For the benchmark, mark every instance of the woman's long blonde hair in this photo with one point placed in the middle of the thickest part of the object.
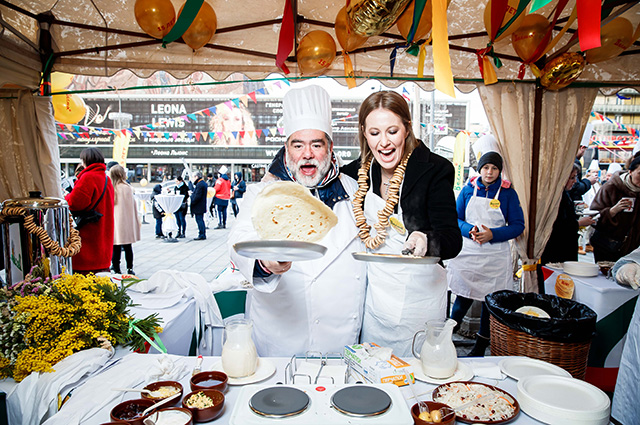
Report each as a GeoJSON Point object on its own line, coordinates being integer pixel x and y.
{"type": "Point", "coordinates": [390, 101]}
{"type": "Point", "coordinates": [118, 176]}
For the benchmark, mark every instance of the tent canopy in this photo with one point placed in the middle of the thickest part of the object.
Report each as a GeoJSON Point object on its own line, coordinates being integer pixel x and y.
{"type": "Point", "coordinates": [101, 37]}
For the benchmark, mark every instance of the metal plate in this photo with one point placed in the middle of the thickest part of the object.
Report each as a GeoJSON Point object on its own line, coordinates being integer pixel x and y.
{"type": "Point", "coordinates": [272, 250]}
{"type": "Point", "coordinates": [394, 258]}
{"type": "Point", "coordinates": [279, 402]}
{"type": "Point", "coordinates": [361, 401]}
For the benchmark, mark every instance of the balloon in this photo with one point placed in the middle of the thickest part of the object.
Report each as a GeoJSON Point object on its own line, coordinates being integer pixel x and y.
{"type": "Point", "coordinates": [315, 52]}
{"type": "Point", "coordinates": [203, 27]}
{"type": "Point", "coordinates": [562, 71]}
{"type": "Point", "coordinates": [405, 21]}
{"type": "Point", "coordinates": [68, 108]}
{"type": "Point", "coordinates": [144, 182]}
{"type": "Point", "coordinates": [60, 81]}
{"type": "Point", "coordinates": [511, 11]}
{"type": "Point", "coordinates": [155, 17]}
{"type": "Point", "coordinates": [529, 36]}
{"type": "Point", "coordinates": [373, 17]}
{"type": "Point", "coordinates": [615, 38]}
{"type": "Point", "coordinates": [347, 38]}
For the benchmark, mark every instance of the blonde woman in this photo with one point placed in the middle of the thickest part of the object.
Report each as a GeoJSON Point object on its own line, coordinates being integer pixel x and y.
{"type": "Point", "coordinates": [404, 203]}
{"type": "Point", "coordinates": [126, 221]}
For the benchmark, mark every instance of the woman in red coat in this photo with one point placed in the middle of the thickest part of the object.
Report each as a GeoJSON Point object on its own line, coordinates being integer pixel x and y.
{"type": "Point", "coordinates": [97, 238]}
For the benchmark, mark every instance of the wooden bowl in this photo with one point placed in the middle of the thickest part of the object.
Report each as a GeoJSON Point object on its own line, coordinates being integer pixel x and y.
{"type": "Point", "coordinates": [126, 409]}
{"type": "Point", "coordinates": [208, 413]}
{"type": "Point", "coordinates": [449, 419]}
{"type": "Point", "coordinates": [154, 386]}
{"type": "Point", "coordinates": [198, 381]}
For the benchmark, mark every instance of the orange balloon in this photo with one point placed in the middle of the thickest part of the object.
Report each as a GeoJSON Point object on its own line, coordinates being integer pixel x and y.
{"type": "Point", "coordinates": [405, 21]}
{"type": "Point", "coordinates": [155, 17]}
{"type": "Point", "coordinates": [68, 108]}
{"type": "Point", "coordinates": [529, 36]}
{"type": "Point", "coordinates": [511, 11]}
{"type": "Point", "coordinates": [202, 28]}
{"type": "Point", "coordinates": [315, 52]}
{"type": "Point", "coordinates": [615, 38]}
{"type": "Point", "coordinates": [347, 37]}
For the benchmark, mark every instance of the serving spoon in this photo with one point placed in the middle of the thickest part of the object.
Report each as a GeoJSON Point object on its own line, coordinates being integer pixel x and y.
{"type": "Point", "coordinates": [158, 404]}
{"type": "Point", "coordinates": [138, 390]}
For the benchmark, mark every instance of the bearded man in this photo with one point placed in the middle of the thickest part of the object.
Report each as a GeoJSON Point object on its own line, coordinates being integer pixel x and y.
{"type": "Point", "coordinates": [314, 305]}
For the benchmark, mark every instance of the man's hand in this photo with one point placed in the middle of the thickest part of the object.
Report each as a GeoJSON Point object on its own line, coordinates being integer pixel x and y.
{"type": "Point", "coordinates": [481, 236]}
{"type": "Point", "coordinates": [592, 177]}
{"type": "Point", "coordinates": [416, 243]}
{"type": "Point", "coordinates": [276, 267]}
{"type": "Point", "coordinates": [629, 274]}
{"type": "Point", "coordinates": [586, 221]}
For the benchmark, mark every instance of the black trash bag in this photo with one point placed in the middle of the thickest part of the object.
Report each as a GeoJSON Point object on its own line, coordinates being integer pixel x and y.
{"type": "Point", "coordinates": [570, 321]}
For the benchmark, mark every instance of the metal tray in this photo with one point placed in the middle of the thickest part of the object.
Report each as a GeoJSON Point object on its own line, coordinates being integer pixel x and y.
{"type": "Point", "coordinates": [280, 250]}
{"type": "Point", "coordinates": [394, 258]}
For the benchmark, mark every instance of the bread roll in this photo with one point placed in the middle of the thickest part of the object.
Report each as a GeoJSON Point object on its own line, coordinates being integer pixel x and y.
{"type": "Point", "coordinates": [288, 211]}
{"type": "Point", "coordinates": [564, 286]}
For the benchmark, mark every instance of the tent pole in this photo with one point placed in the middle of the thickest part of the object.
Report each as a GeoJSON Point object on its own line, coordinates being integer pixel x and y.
{"type": "Point", "coordinates": [535, 167]}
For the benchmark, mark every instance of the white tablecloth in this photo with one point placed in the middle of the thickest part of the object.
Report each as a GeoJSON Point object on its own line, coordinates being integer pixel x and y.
{"type": "Point", "coordinates": [170, 204]}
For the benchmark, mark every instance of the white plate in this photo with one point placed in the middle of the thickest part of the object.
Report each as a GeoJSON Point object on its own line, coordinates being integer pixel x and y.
{"type": "Point", "coordinates": [394, 258]}
{"type": "Point", "coordinates": [272, 250]}
{"type": "Point", "coordinates": [521, 367]}
{"type": "Point", "coordinates": [266, 368]}
{"type": "Point", "coordinates": [463, 372]}
{"type": "Point", "coordinates": [541, 314]}
{"type": "Point", "coordinates": [563, 400]}
{"type": "Point", "coordinates": [577, 268]}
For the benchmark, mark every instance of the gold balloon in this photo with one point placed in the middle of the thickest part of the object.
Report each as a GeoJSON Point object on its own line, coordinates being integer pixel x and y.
{"type": "Point", "coordinates": [202, 28]}
{"type": "Point", "coordinates": [562, 71]}
{"type": "Point", "coordinates": [405, 21]}
{"type": "Point", "coordinates": [68, 108]}
{"type": "Point", "coordinates": [155, 17]}
{"type": "Point", "coordinates": [315, 52]}
{"type": "Point", "coordinates": [373, 17]}
{"type": "Point", "coordinates": [615, 38]}
{"type": "Point", "coordinates": [511, 11]}
{"type": "Point", "coordinates": [529, 36]}
{"type": "Point", "coordinates": [347, 38]}
{"type": "Point", "coordinates": [60, 81]}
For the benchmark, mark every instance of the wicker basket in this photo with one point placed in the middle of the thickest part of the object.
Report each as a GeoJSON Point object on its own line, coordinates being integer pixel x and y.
{"type": "Point", "coordinates": [571, 356]}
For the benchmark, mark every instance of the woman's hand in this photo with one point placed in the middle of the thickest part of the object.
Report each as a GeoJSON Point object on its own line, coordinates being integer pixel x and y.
{"type": "Point", "coordinates": [622, 205]}
{"type": "Point", "coordinates": [416, 243]}
{"type": "Point", "coordinates": [481, 236]}
{"type": "Point", "coordinates": [586, 221]}
{"type": "Point", "coordinates": [276, 267]}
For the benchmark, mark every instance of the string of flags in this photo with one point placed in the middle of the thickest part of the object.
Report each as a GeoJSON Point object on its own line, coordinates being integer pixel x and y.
{"type": "Point", "coordinates": [632, 131]}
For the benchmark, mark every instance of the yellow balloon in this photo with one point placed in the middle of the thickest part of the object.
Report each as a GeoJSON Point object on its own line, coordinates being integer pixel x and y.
{"type": "Point", "coordinates": [511, 11]}
{"type": "Point", "coordinates": [373, 17]}
{"type": "Point", "coordinates": [562, 71]}
{"type": "Point", "coordinates": [60, 81]}
{"type": "Point", "coordinates": [144, 182]}
{"type": "Point", "coordinates": [405, 21]}
{"type": "Point", "coordinates": [68, 108]}
{"type": "Point", "coordinates": [615, 38]}
{"type": "Point", "coordinates": [202, 28]}
{"type": "Point", "coordinates": [315, 52]}
{"type": "Point", "coordinates": [155, 17]}
{"type": "Point", "coordinates": [347, 38]}
{"type": "Point", "coordinates": [529, 36]}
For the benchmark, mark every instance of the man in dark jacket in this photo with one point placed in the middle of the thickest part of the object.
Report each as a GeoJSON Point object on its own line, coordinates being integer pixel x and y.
{"type": "Point", "coordinates": [239, 187]}
{"type": "Point", "coordinates": [581, 185]}
{"type": "Point", "coordinates": [199, 205]}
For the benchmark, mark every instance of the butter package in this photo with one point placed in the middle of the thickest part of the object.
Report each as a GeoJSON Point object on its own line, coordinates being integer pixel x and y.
{"type": "Point", "coordinates": [375, 365]}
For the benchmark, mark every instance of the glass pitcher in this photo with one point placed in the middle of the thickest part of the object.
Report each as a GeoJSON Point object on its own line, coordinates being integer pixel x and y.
{"type": "Point", "coordinates": [239, 356]}
{"type": "Point", "coordinates": [438, 354]}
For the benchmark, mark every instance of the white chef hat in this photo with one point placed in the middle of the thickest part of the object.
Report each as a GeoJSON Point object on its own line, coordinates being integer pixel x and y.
{"type": "Point", "coordinates": [307, 108]}
{"type": "Point", "coordinates": [613, 168]}
{"type": "Point", "coordinates": [594, 165]}
{"type": "Point", "coordinates": [586, 136]}
{"type": "Point", "coordinates": [484, 144]}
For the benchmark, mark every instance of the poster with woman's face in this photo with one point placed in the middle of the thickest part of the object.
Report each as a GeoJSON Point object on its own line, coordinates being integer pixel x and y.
{"type": "Point", "coordinates": [233, 126]}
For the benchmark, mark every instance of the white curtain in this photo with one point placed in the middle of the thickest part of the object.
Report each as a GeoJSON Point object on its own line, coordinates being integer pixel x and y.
{"type": "Point", "coordinates": [29, 156]}
{"type": "Point", "coordinates": [564, 115]}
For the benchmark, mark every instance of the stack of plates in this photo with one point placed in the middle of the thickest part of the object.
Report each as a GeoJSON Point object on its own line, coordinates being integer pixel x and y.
{"type": "Point", "coordinates": [563, 400]}
{"type": "Point", "coordinates": [577, 268]}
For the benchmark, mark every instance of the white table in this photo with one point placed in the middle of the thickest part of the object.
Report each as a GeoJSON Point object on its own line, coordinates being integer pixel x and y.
{"type": "Point", "coordinates": [170, 204]}
{"type": "Point", "coordinates": [231, 395]}
{"type": "Point", "coordinates": [143, 198]}
{"type": "Point", "coordinates": [614, 304]}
